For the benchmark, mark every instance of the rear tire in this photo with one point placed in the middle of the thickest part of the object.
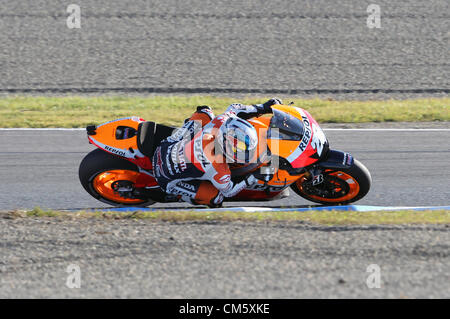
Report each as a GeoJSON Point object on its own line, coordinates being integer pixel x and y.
{"type": "Point", "coordinates": [359, 184]}
{"type": "Point", "coordinates": [98, 162]}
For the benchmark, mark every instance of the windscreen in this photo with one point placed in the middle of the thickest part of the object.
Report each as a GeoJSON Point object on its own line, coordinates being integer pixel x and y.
{"type": "Point", "coordinates": [284, 126]}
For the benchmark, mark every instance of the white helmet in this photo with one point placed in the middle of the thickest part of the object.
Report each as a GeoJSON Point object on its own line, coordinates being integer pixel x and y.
{"type": "Point", "coordinates": [237, 140]}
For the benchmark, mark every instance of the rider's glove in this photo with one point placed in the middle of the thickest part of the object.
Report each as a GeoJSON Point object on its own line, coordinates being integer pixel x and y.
{"type": "Point", "coordinates": [267, 107]}
{"type": "Point", "coordinates": [250, 180]}
{"type": "Point", "coordinates": [273, 101]}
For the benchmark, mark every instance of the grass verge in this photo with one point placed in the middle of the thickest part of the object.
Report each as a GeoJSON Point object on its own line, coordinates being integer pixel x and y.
{"type": "Point", "coordinates": [315, 217]}
{"type": "Point", "coordinates": [71, 112]}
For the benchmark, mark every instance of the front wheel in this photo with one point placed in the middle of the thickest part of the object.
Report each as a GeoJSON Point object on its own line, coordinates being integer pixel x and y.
{"type": "Point", "coordinates": [108, 177]}
{"type": "Point", "coordinates": [341, 186]}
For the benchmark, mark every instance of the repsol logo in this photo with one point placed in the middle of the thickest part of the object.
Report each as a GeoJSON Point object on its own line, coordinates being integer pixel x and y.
{"type": "Point", "coordinates": [115, 151]}
{"type": "Point", "coordinates": [198, 151]}
{"type": "Point", "coordinates": [307, 136]}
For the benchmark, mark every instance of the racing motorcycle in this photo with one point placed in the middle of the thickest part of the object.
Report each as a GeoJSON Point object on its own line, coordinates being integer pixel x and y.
{"type": "Point", "coordinates": [119, 172]}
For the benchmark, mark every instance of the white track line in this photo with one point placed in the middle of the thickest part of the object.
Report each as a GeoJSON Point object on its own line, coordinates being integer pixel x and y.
{"type": "Point", "coordinates": [390, 129]}
{"type": "Point", "coordinates": [325, 129]}
{"type": "Point", "coordinates": [357, 208]}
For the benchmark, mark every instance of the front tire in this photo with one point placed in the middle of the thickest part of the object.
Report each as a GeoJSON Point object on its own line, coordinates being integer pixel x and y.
{"type": "Point", "coordinates": [340, 186]}
{"type": "Point", "coordinates": [99, 170]}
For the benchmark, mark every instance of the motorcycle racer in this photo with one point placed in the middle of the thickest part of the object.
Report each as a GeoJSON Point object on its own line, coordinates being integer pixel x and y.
{"type": "Point", "coordinates": [194, 162]}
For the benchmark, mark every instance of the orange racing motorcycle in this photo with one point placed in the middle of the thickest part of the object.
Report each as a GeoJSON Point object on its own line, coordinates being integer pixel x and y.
{"type": "Point", "coordinates": [119, 172]}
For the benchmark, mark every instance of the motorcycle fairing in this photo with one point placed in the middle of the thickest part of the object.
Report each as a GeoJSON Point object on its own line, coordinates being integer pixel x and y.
{"type": "Point", "coordinates": [305, 146]}
{"type": "Point", "coordinates": [119, 137]}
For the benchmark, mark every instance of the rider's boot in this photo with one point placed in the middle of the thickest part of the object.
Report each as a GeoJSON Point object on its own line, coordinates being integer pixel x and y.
{"type": "Point", "coordinates": [207, 194]}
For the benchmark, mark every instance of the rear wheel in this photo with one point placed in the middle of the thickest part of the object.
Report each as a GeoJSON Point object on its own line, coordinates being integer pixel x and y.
{"type": "Point", "coordinates": [110, 179]}
{"type": "Point", "coordinates": [338, 187]}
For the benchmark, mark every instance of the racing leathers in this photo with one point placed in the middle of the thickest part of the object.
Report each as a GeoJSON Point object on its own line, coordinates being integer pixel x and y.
{"type": "Point", "coordinates": [187, 164]}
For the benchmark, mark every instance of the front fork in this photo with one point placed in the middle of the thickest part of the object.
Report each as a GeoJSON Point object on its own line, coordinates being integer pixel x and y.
{"type": "Point", "coordinates": [315, 175]}
{"type": "Point", "coordinates": [335, 160]}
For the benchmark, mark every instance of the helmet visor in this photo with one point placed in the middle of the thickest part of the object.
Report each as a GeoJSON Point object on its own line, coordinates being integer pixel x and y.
{"type": "Point", "coordinates": [284, 126]}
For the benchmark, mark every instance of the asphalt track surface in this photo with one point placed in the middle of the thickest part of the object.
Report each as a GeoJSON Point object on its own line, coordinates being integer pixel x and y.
{"type": "Point", "coordinates": [304, 48]}
{"type": "Point", "coordinates": [409, 168]}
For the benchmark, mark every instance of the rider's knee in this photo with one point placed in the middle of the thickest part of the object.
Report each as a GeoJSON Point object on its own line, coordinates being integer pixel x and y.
{"type": "Point", "coordinates": [207, 194]}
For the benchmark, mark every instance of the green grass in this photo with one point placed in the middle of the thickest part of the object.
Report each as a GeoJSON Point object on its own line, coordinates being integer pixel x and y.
{"type": "Point", "coordinates": [172, 110]}
{"type": "Point", "coordinates": [314, 217]}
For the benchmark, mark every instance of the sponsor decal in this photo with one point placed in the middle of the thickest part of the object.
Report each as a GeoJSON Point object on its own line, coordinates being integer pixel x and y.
{"type": "Point", "coordinates": [115, 151]}
{"type": "Point", "coordinates": [318, 139]}
{"type": "Point", "coordinates": [185, 132]}
{"type": "Point", "coordinates": [181, 159]}
{"type": "Point", "coordinates": [158, 167]}
{"type": "Point", "coordinates": [172, 150]}
{"type": "Point", "coordinates": [181, 188]}
{"type": "Point", "coordinates": [198, 151]}
{"type": "Point", "coordinates": [271, 188]}
{"type": "Point", "coordinates": [168, 162]}
{"type": "Point", "coordinates": [178, 191]}
{"type": "Point", "coordinates": [307, 136]}
{"type": "Point", "coordinates": [318, 179]}
{"type": "Point", "coordinates": [187, 186]}
{"type": "Point", "coordinates": [348, 159]}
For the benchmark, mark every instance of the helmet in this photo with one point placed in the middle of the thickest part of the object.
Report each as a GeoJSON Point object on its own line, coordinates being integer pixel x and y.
{"type": "Point", "coordinates": [237, 140]}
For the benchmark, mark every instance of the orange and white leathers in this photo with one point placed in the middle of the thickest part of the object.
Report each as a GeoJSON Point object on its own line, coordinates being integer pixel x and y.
{"type": "Point", "coordinates": [186, 163]}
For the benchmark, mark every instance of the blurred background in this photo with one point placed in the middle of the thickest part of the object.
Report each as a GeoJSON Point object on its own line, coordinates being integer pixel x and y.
{"type": "Point", "coordinates": [303, 48]}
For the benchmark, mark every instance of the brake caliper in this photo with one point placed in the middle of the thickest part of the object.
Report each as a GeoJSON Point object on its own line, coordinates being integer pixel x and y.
{"type": "Point", "coordinates": [123, 188]}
